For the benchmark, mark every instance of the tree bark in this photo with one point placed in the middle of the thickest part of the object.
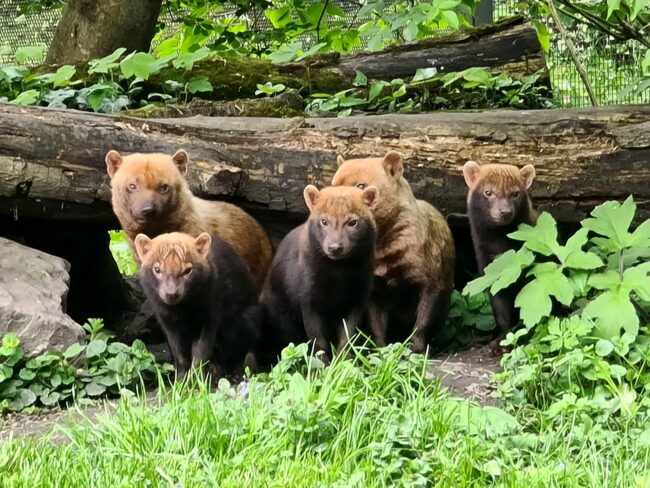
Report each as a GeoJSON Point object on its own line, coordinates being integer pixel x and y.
{"type": "Point", "coordinates": [92, 29]}
{"type": "Point", "coordinates": [582, 156]}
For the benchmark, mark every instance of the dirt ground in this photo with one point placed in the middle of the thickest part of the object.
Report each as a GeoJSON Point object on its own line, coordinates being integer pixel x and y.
{"type": "Point", "coordinates": [466, 374]}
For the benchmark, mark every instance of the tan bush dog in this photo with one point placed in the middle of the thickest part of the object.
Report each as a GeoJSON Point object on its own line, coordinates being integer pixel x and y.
{"type": "Point", "coordinates": [497, 202]}
{"type": "Point", "coordinates": [414, 255]}
{"type": "Point", "coordinates": [151, 196]}
{"type": "Point", "coordinates": [204, 299]}
{"type": "Point", "coordinates": [322, 271]}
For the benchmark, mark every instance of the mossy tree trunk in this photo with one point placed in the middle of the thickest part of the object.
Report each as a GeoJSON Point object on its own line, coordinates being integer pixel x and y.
{"type": "Point", "coordinates": [92, 29]}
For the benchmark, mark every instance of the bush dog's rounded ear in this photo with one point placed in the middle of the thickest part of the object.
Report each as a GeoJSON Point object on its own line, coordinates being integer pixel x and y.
{"type": "Point", "coordinates": [181, 160]}
{"type": "Point", "coordinates": [370, 196]}
{"type": "Point", "coordinates": [142, 246]}
{"type": "Point", "coordinates": [339, 160]}
{"type": "Point", "coordinates": [311, 194]}
{"type": "Point", "coordinates": [394, 164]}
{"type": "Point", "coordinates": [471, 172]}
{"type": "Point", "coordinates": [528, 175]}
{"type": "Point", "coordinates": [113, 162]}
{"type": "Point", "coordinates": [202, 244]}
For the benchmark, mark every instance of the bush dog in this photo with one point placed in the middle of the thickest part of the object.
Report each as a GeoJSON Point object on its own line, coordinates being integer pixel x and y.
{"type": "Point", "coordinates": [204, 299]}
{"type": "Point", "coordinates": [414, 254]}
{"type": "Point", "coordinates": [321, 276]}
{"type": "Point", "coordinates": [150, 196]}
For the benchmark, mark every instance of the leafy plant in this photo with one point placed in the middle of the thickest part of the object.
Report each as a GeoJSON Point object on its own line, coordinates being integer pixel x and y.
{"type": "Point", "coordinates": [121, 252]}
{"type": "Point", "coordinates": [102, 367]}
{"type": "Point", "coordinates": [585, 306]}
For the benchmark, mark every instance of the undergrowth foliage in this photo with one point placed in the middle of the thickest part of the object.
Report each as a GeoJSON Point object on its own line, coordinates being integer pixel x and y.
{"type": "Point", "coordinates": [584, 346]}
{"type": "Point", "coordinates": [100, 368]}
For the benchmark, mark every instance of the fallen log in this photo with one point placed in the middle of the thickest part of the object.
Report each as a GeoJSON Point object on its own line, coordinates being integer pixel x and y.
{"type": "Point", "coordinates": [582, 156]}
{"type": "Point", "coordinates": [510, 46]}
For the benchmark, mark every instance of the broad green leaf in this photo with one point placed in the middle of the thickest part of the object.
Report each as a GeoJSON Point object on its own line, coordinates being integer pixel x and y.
{"type": "Point", "coordinates": [641, 236]}
{"type": "Point", "coordinates": [612, 6]}
{"type": "Point", "coordinates": [10, 340]}
{"type": "Point", "coordinates": [612, 311]}
{"type": "Point", "coordinates": [199, 84]}
{"type": "Point", "coordinates": [335, 10]}
{"type": "Point", "coordinates": [29, 97]}
{"type": "Point", "coordinates": [423, 74]}
{"type": "Point", "coordinates": [604, 347]}
{"type": "Point", "coordinates": [186, 61]}
{"type": "Point", "coordinates": [360, 79]}
{"type": "Point", "coordinates": [534, 299]}
{"type": "Point", "coordinates": [27, 374]}
{"type": "Point", "coordinates": [24, 399]}
{"type": "Point", "coordinates": [35, 53]}
{"type": "Point", "coordinates": [605, 281]}
{"type": "Point", "coordinates": [583, 260]}
{"type": "Point", "coordinates": [637, 279]}
{"type": "Point", "coordinates": [285, 53]}
{"type": "Point", "coordinates": [411, 31]}
{"type": "Point", "coordinates": [95, 389]}
{"type": "Point", "coordinates": [376, 89]}
{"type": "Point", "coordinates": [637, 7]}
{"type": "Point", "coordinates": [63, 76]}
{"type": "Point", "coordinates": [344, 113]}
{"type": "Point", "coordinates": [137, 64]}
{"type": "Point", "coordinates": [95, 348]}
{"type": "Point", "coordinates": [278, 17]}
{"type": "Point", "coordinates": [612, 220]}
{"type": "Point", "coordinates": [51, 398]}
{"type": "Point", "coordinates": [576, 242]}
{"type": "Point", "coordinates": [311, 51]}
{"type": "Point", "coordinates": [505, 270]}
{"type": "Point", "coordinates": [73, 350]}
{"type": "Point", "coordinates": [541, 238]}
{"type": "Point", "coordinates": [107, 63]}
{"type": "Point", "coordinates": [451, 18]}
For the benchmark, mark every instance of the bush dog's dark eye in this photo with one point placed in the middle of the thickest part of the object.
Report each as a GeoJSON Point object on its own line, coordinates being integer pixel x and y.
{"type": "Point", "coordinates": [488, 193]}
{"type": "Point", "coordinates": [187, 271]}
{"type": "Point", "coordinates": [132, 186]}
{"type": "Point", "coordinates": [514, 194]}
{"type": "Point", "coordinates": [352, 223]}
{"type": "Point", "coordinates": [163, 188]}
{"type": "Point", "coordinates": [361, 186]}
{"type": "Point", "coordinates": [324, 222]}
{"type": "Point", "coordinates": [156, 270]}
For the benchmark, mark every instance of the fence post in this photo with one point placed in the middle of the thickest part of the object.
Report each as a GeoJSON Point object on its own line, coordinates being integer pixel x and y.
{"type": "Point", "coordinates": [484, 12]}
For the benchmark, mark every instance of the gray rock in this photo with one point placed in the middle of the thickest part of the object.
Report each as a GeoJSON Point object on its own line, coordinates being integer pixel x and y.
{"type": "Point", "coordinates": [33, 291]}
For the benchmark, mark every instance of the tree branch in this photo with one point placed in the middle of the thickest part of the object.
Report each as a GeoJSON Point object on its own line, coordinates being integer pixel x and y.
{"type": "Point", "coordinates": [572, 50]}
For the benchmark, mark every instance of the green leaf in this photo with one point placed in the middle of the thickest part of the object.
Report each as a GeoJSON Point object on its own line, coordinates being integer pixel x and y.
{"type": "Point", "coordinates": [641, 236]}
{"type": "Point", "coordinates": [612, 220]}
{"type": "Point", "coordinates": [411, 31]}
{"type": "Point", "coordinates": [541, 238]}
{"type": "Point", "coordinates": [51, 398]}
{"type": "Point", "coordinates": [107, 63]}
{"type": "Point", "coordinates": [95, 389]}
{"type": "Point", "coordinates": [360, 79]}
{"type": "Point", "coordinates": [612, 311]}
{"type": "Point", "coordinates": [451, 18]}
{"type": "Point", "coordinates": [637, 6]}
{"type": "Point", "coordinates": [376, 88]}
{"type": "Point", "coordinates": [534, 299]}
{"type": "Point", "coordinates": [604, 347]}
{"type": "Point", "coordinates": [501, 272]}
{"type": "Point", "coordinates": [335, 10]}
{"type": "Point", "coordinates": [10, 340]}
{"type": "Point", "coordinates": [35, 53]}
{"type": "Point", "coordinates": [424, 74]}
{"type": "Point", "coordinates": [278, 17]}
{"type": "Point", "coordinates": [137, 64]}
{"type": "Point", "coordinates": [29, 97]}
{"type": "Point", "coordinates": [612, 6]}
{"type": "Point", "coordinates": [73, 350]}
{"type": "Point", "coordinates": [605, 281]}
{"type": "Point", "coordinates": [95, 348]}
{"type": "Point", "coordinates": [27, 374]}
{"type": "Point", "coordinates": [186, 61]}
{"type": "Point", "coordinates": [285, 53]}
{"type": "Point", "coordinates": [583, 260]}
{"type": "Point", "coordinates": [199, 84]}
{"type": "Point", "coordinates": [636, 279]}
{"type": "Point", "coordinates": [543, 35]}
{"type": "Point", "coordinates": [24, 399]}
{"type": "Point", "coordinates": [63, 75]}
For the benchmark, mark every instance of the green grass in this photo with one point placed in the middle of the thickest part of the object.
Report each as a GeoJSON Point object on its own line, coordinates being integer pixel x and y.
{"type": "Point", "coordinates": [373, 420]}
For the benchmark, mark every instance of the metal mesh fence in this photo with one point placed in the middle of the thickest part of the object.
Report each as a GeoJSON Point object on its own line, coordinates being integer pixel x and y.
{"type": "Point", "coordinates": [611, 66]}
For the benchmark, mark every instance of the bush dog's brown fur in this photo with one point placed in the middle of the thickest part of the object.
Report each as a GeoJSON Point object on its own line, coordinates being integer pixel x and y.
{"type": "Point", "coordinates": [204, 299]}
{"type": "Point", "coordinates": [150, 196]}
{"type": "Point", "coordinates": [414, 257]}
{"type": "Point", "coordinates": [322, 272]}
{"type": "Point", "coordinates": [497, 202]}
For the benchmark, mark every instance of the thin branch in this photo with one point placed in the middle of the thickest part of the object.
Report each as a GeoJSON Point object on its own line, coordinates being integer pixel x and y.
{"type": "Point", "coordinates": [632, 32]}
{"type": "Point", "coordinates": [320, 18]}
{"type": "Point", "coordinates": [572, 50]}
